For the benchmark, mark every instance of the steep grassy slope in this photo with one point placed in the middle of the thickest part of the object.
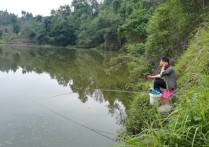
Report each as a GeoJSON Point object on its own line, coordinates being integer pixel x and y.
{"type": "Point", "coordinates": [189, 122]}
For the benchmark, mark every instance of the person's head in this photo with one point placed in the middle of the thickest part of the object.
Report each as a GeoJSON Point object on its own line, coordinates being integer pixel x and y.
{"type": "Point", "coordinates": [164, 60]}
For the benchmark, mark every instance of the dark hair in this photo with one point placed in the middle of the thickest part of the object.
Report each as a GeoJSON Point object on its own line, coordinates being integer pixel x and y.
{"type": "Point", "coordinates": [165, 59]}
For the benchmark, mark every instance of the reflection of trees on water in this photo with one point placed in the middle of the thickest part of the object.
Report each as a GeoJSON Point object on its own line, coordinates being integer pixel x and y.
{"type": "Point", "coordinates": [82, 71]}
{"type": "Point", "coordinates": [98, 95]}
{"type": "Point", "coordinates": [118, 110]}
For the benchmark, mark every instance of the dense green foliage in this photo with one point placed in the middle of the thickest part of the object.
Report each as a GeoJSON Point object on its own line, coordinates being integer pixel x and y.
{"type": "Point", "coordinates": [7, 20]}
{"type": "Point", "coordinates": [88, 24]}
{"type": "Point", "coordinates": [172, 25]}
{"type": "Point", "coordinates": [5, 17]}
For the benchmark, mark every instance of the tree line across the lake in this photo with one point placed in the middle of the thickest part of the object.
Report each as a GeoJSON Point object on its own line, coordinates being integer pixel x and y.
{"type": "Point", "coordinates": [84, 23]}
{"type": "Point", "coordinates": [138, 27]}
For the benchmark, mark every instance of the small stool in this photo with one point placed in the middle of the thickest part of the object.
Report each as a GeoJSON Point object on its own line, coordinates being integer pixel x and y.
{"type": "Point", "coordinates": [166, 96]}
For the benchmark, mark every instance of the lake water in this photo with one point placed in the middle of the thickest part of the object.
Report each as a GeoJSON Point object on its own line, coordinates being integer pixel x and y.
{"type": "Point", "coordinates": [58, 97]}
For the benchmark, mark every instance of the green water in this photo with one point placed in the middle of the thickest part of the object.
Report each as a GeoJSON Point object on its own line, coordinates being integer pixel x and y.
{"type": "Point", "coordinates": [60, 97]}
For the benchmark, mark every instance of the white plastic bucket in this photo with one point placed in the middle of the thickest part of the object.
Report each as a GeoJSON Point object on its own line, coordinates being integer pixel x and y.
{"type": "Point", "coordinates": [154, 99]}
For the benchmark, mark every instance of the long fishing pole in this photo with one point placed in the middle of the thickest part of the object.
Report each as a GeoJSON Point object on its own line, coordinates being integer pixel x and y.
{"type": "Point", "coordinates": [125, 91]}
{"type": "Point", "coordinates": [80, 124]}
{"type": "Point", "coordinates": [110, 90]}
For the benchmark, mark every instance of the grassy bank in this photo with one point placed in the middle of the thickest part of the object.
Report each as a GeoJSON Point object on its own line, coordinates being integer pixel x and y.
{"type": "Point", "coordinates": [15, 39]}
{"type": "Point", "coordinates": [6, 38]}
{"type": "Point", "coordinates": [189, 122]}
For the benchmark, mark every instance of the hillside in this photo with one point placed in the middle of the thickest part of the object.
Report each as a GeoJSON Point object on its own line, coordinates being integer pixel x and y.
{"type": "Point", "coordinates": [14, 39]}
{"type": "Point", "coordinates": [188, 123]}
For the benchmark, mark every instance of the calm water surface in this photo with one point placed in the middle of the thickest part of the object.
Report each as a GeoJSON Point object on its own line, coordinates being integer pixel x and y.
{"type": "Point", "coordinates": [52, 98]}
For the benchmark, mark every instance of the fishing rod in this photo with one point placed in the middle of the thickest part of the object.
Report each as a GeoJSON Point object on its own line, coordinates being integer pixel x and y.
{"type": "Point", "coordinates": [99, 132]}
{"type": "Point", "coordinates": [123, 91]}
{"type": "Point", "coordinates": [68, 93]}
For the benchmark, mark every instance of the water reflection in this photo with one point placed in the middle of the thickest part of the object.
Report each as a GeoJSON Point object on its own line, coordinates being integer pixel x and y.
{"type": "Point", "coordinates": [98, 95]}
{"type": "Point", "coordinates": [82, 71]}
{"type": "Point", "coordinates": [74, 104]}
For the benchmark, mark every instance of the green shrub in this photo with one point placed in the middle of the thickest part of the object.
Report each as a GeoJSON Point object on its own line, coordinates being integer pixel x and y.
{"type": "Point", "coordinates": [172, 25]}
{"type": "Point", "coordinates": [140, 114]}
{"type": "Point", "coordinates": [135, 49]}
{"type": "Point", "coordinates": [140, 68]}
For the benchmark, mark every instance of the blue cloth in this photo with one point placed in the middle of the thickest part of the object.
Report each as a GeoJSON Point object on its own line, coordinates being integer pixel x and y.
{"type": "Point", "coordinates": [158, 90]}
{"type": "Point", "coordinates": [152, 91]}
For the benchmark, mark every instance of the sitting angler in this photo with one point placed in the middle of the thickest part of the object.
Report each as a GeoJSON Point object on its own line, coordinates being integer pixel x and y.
{"type": "Point", "coordinates": [166, 80]}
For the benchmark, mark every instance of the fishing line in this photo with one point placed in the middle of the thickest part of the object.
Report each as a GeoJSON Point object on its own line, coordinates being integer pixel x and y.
{"type": "Point", "coordinates": [112, 90]}
{"type": "Point", "coordinates": [55, 96]}
{"type": "Point", "coordinates": [75, 122]}
{"type": "Point", "coordinates": [80, 124]}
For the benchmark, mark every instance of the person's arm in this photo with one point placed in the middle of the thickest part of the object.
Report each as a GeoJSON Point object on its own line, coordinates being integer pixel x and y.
{"type": "Point", "coordinates": [163, 67]}
{"type": "Point", "coordinates": [153, 77]}
{"type": "Point", "coordinates": [166, 72]}
{"type": "Point", "coordinates": [161, 72]}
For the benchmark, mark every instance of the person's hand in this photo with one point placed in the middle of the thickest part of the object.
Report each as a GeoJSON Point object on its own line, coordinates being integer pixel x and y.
{"type": "Point", "coordinates": [165, 65]}
{"type": "Point", "coordinates": [149, 76]}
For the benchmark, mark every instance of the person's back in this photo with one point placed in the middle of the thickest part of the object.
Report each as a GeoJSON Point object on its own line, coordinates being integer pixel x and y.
{"type": "Point", "coordinates": [169, 76]}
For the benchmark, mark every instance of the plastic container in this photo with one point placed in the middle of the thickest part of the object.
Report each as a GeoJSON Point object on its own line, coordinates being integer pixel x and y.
{"type": "Point", "coordinates": [155, 97]}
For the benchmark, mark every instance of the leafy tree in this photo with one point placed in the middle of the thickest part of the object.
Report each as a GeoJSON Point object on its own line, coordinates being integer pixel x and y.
{"type": "Point", "coordinates": [47, 24]}
{"type": "Point", "coordinates": [28, 30]}
{"type": "Point", "coordinates": [170, 26]}
{"type": "Point", "coordinates": [94, 7]}
{"type": "Point", "coordinates": [16, 28]}
{"type": "Point", "coordinates": [81, 7]}
{"type": "Point", "coordinates": [62, 11]}
{"type": "Point", "coordinates": [42, 38]}
{"type": "Point", "coordinates": [43, 32]}
{"type": "Point", "coordinates": [134, 28]}
{"type": "Point", "coordinates": [63, 32]}
{"type": "Point", "coordinates": [38, 18]}
{"type": "Point", "coordinates": [28, 16]}
{"type": "Point", "coordinates": [107, 23]}
{"type": "Point", "coordinates": [15, 24]}
{"type": "Point", "coordinates": [5, 18]}
{"type": "Point", "coordinates": [88, 36]}
{"type": "Point", "coordinates": [23, 13]}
